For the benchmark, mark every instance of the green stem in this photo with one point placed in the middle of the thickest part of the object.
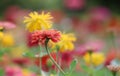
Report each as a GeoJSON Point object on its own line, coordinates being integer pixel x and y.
{"type": "Point", "coordinates": [46, 42]}
{"type": "Point", "coordinates": [112, 36]}
{"type": "Point", "coordinates": [40, 64]}
{"type": "Point", "coordinates": [114, 73]}
{"type": "Point", "coordinates": [91, 64]}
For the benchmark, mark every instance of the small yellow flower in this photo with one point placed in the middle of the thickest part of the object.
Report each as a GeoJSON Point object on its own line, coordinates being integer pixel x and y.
{"type": "Point", "coordinates": [37, 21]}
{"type": "Point", "coordinates": [26, 72]}
{"type": "Point", "coordinates": [66, 42]}
{"type": "Point", "coordinates": [52, 75]}
{"type": "Point", "coordinates": [19, 53]}
{"type": "Point", "coordinates": [7, 40]}
{"type": "Point", "coordinates": [96, 59]}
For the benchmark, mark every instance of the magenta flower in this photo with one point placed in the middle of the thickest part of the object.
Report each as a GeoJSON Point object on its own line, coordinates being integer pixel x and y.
{"type": "Point", "coordinates": [74, 4]}
{"type": "Point", "coordinates": [15, 14]}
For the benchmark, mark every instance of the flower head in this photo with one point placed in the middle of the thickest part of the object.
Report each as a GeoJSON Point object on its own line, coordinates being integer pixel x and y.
{"type": "Point", "coordinates": [37, 21]}
{"type": "Point", "coordinates": [97, 58]}
{"type": "Point", "coordinates": [66, 42]}
{"type": "Point", "coordinates": [41, 36]}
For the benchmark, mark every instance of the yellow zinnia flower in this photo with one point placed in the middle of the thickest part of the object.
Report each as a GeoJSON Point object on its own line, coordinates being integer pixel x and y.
{"type": "Point", "coordinates": [96, 59]}
{"type": "Point", "coordinates": [37, 21]}
{"type": "Point", "coordinates": [66, 42]}
{"type": "Point", "coordinates": [7, 40]}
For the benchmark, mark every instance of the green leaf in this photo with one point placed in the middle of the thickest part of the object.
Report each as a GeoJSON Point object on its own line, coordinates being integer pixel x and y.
{"type": "Point", "coordinates": [1, 72]}
{"type": "Point", "coordinates": [72, 67]}
{"type": "Point", "coordinates": [1, 53]}
{"type": "Point", "coordinates": [28, 54]}
{"type": "Point", "coordinates": [85, 67]}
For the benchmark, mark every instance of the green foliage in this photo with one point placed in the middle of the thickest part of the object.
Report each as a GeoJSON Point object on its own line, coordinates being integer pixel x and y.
{"type": "Point", "coordinates": [1, 72]}
{"type": "Point", "coordinates": [72, 67]}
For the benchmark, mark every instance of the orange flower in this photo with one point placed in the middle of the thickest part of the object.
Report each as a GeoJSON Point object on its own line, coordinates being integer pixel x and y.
{"type": "Point", "coordinates": [42, 35]}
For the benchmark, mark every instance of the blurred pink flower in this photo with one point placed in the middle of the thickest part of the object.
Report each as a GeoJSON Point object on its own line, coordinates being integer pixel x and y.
{"type": "Point", "coordinates": [17, 71]}
{"type": "Point", "coordinates": [58, 15]}
{"type": "Point", "coordinates": [13, 71]}
{"type": "Point", "coordinates": [74, 4]}
{"type": "Point", "coordinates": [95, 26]}
{"type": "Point", "coordinates": [93, 46]}
{"type": "Point", "coordinates": [15, 14]}
{"type": "Point", "coordinates": [100, 13]}
{"type": "Point", "coordinates": [7, 25]}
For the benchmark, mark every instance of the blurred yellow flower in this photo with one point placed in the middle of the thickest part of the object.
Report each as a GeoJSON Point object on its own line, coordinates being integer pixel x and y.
{"type": "Point", "coordinates": [1, 35]}
{"type": "Point", "coordinates": [52, 75]}
{"type": "Point", "coordinates": [96, 58]}
{"type": "Point", "coordinates": [37, 21]}
{"type": "Point", "coordinates": [1, 28]}
{"type": "Point", "coordinates": [7, 40]}
{"type": "Point", "coordinates": [26, 72]}
{"type": "Point", "coordinates": [66, 42]}
{"type": "Point", "coordinates": [19, 53]}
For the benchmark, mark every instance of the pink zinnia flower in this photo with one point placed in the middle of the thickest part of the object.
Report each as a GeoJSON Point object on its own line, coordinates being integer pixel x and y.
{"type": "Point", "coordinates": [100, 13]}
{"type": "Point", "coordinates": [15, 14]}
{"type": "Point", "coordinates": [93, 46]}
{"type": "Point", "coordinates": [41, 36]}
{"type": "Point", "coordinates": [74, 4]}
{"type": "Point", "coordinates": [7, 25]}
{"type": "Point", "coordinates": [13, 71]}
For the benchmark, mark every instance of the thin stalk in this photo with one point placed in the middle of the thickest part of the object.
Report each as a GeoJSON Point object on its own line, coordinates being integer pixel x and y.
{"type": "Point", "coordinates": [91, 64]}
{"type": "Point", "coordinates": [112, 35]}
{"type": "Point", "coordinates": [114, 73]}
{"type": "Point", "coordinates": [40, 62]}
{"type": "Point", "coordinates": [58, 59]}
{"type": "Point", "coordinates": [46, 42]}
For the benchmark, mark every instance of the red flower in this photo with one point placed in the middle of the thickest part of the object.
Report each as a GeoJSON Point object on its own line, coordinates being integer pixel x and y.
{"type": "Point", "coordinates": [64, 58]}
{"type": "Point", "coordinates": [45, 62]}
{"type": "Point", "coordinates": [110, 56]}
{"type": "Point", "coordinates": [21, 61]}
{"type": "Point", "coordinates": [29, 38]}
{"type": "Point", "coordinates": [41, 36]}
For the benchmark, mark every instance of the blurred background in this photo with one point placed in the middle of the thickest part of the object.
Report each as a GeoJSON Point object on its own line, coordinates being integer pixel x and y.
{"type": "Point", "coordinates": [95, 23]}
